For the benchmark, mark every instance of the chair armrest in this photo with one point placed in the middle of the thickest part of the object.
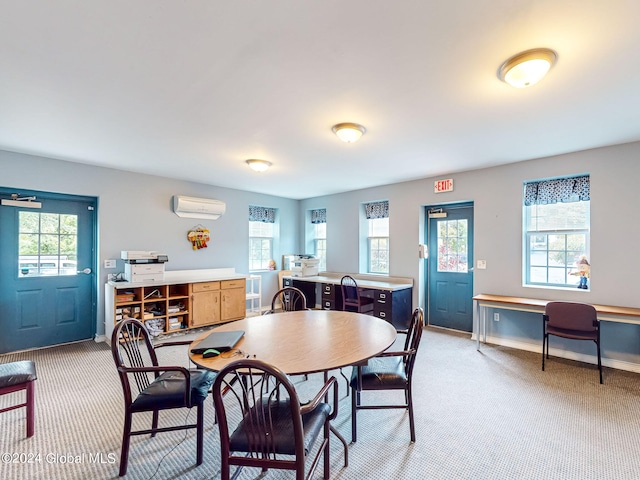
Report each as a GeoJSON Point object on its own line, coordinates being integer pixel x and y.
{"type": "Point", "coordinates": [313, 403]}
{"type": "Point", "coordinates": [159, 369]}
{"type": "Point", "coordinates": [404, 331]}
{"type": "Point", "coordinates": [400, 353]}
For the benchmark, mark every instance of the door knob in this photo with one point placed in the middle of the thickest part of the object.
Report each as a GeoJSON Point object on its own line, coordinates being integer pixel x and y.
{"type": "Point", "coordinates": [86, 270]}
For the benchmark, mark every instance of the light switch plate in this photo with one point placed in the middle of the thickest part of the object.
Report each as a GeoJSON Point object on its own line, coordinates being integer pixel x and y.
{"type": "Point", "coordinates": [109, 264]}
{"type": "Point", "coordinates": [482, 264]}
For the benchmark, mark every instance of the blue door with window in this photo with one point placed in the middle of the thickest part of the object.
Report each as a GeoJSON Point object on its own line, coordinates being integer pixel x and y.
{"type": "Point", "coordinates": [46, 270]}
{"type": "Point", "coordinates": [450, 262]}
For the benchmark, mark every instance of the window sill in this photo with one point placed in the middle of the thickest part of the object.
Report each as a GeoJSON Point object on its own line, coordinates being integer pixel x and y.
{"type": "Point", "coordinates": [550, 287]}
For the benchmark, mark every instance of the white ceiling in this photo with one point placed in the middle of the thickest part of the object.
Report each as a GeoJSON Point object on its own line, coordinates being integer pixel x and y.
{"type": "Point", "coordinates": [191, 89]}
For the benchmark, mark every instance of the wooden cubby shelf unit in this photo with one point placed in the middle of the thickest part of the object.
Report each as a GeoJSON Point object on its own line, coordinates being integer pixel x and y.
{"type": "Point", "coordinates": [173, 307]}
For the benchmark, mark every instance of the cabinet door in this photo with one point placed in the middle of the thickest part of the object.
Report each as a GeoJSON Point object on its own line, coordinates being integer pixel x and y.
{"type": "Point", "coordinates": [233, 304]}
{"type": "Point", "coordinates": [205, 308]}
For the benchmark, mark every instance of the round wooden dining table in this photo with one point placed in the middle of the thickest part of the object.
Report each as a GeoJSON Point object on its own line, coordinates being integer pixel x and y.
{"type": "Point", "coordinates": [305, 341]}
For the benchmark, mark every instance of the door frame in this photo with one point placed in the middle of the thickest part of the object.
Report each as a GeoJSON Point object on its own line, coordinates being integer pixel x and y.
{"type": "Point", "coordinates": [93, 202]}
{"type": "Point", "coordinates": [430, 248]}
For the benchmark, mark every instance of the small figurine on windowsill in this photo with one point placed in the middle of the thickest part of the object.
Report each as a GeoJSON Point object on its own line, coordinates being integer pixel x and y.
{"type": "Point", "coordinates": [584, 271]}
{"type": "Point", "coordinates": [272, 264]}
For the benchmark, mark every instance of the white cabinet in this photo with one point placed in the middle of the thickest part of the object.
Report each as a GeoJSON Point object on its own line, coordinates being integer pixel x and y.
{"type": "Point", "coordinates": [254, 295]}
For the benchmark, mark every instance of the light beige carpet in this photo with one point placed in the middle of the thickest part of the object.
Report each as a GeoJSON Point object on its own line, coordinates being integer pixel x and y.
{"type": "Point", "coordinates": [480, 415]}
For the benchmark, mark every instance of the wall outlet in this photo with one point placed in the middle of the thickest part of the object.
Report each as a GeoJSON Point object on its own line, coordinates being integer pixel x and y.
{"type": "Point", "coordinates": [496, 317]}
{"type": "Point", "coordinates": [109, 264]}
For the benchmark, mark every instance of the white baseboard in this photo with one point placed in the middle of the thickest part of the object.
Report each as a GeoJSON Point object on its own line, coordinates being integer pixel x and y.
{"type": "Point", "coordinates": [556, 352]}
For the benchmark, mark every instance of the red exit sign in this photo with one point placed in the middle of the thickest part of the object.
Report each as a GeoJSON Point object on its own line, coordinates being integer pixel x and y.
{"type": "Point", "coordinates": [443, 185]}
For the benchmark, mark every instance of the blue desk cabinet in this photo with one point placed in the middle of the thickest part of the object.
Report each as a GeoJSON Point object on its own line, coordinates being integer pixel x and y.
{"type": "Point", "coordinates": [392, 305]}
{"type": "Point", "coordinates": [308, 288]}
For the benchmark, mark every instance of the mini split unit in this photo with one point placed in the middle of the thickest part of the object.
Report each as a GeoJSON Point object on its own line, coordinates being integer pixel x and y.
{"type": "Point", "coordinates": [191, 207]}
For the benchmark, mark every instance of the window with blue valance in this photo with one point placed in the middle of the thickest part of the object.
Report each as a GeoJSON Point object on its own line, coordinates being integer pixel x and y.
{"type": "Point", "coordinates": [568, 189]}
{"type": "Point", "coordinates": [319, 216]}
{"type": "Point", "coordinates": [376, 210]}
{"type": "Point", "coordinates": [262, 214]}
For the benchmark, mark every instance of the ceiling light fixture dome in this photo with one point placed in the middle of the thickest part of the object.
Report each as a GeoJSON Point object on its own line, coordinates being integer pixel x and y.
{"type": "Point", "coordinates": [348, 132]}
{"type": "Point", "coordinates": [258, 165]}
{"type": "Point", "coordinates": [527, 68]}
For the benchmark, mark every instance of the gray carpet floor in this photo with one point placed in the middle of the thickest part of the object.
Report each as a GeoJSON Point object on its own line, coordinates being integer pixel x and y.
{"type": "Point", "coordinates": [479, 415]}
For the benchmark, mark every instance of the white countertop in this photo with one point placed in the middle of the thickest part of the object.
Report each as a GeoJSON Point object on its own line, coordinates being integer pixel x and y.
{"type": "Point", "coordinates": [185, 276]}
{"type": "Point", "coordinates": [384, 283]}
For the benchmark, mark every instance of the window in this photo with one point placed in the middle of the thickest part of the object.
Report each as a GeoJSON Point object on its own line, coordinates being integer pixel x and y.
{"type": "Point", "coordinates": [261, 234]}
{"type": "Point", "coordinates": [377, 215]}
{"type": "Point", "coordinates": [319, 232]}
{"type": "Point", "coordinates": [452, 246]}
{"type": "Point", "coordinates": [556, 231]}
{"type": "Point", "coordinates": [48, 244]}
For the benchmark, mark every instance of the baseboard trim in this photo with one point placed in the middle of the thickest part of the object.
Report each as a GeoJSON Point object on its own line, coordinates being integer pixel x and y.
{"type": "Point", "coordinates": [556, 352]}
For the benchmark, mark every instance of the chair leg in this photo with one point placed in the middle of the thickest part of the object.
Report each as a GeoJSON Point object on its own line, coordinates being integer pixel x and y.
{"type": "Point", "coordinates": [31, 408]}
{"type": "Point", "coordinates": [154, 422]}
{"type": "Point", "coordinates": [126, 438]}
{"type": "Point", "coordinates": [412, 426]}
{"type": "Point", "coordinates": [545, 339]}
{"type": "Point", "coordinates": [327, 463]}
{"type": "Point", "coordinates": [199, 433]}
{"type": "Point", "coordinates": [355, 400]}
{"type": "Point", "coordinates": [599, 361]}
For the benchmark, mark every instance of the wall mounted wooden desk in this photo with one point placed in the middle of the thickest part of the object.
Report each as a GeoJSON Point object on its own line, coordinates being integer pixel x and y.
{"type": "Point", "coordinates": [608, 313]}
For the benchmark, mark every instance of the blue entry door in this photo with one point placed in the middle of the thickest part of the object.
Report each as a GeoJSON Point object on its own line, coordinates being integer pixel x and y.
{"type": "Point", "coordinates": [46, 272]}
{"type": "Point", "coordinates": [450, 262]}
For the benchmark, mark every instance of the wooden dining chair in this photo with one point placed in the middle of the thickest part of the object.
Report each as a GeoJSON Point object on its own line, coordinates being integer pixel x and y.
{"type": "Point", "coordinates": [352, 301]}
{"type": "Point", "coordinates": [17, 376]}
{"type": "Point", "coordinates": [573, 320]}
{"type": "Point", "coordinates": [390, 370]}
{"type": "Point", "coordinates": [263, 424]}
{"type": "Point", "coordinates": [149, 387]}
{"type": "Point", "coordinates": [290, 299]}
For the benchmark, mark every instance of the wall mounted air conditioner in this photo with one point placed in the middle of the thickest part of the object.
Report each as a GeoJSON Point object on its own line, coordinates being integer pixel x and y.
{"type": "Point", "coordinates": [192, 207]}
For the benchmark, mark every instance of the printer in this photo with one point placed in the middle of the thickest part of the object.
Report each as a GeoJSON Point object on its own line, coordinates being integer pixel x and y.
{"type": "Point", "coordinates": [143, 266]}
{"type": "Point", "coordinates": [304, 266]}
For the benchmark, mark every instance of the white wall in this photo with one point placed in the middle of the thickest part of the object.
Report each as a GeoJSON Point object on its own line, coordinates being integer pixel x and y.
{"type": "Point", "coordinates": [497, 196]}
{"type": "Point", "coordinates": [134, 213]}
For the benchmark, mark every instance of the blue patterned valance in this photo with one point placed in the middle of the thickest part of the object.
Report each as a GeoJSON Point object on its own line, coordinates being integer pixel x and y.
{"type": "Point", "coordinates": [377, 210]}
{"type": "Point", "coordinates": [571, 189]}
{"type": "Point", "coordinates": [262, 214]}
{"type": "Point", "coordinates": [319, 215]}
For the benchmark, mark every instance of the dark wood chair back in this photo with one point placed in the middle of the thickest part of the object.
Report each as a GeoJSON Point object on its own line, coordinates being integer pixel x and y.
{"type": "Point", "coordinates": [290, 299]}
{"type": "Point", "coordinates": [263, 424]}
{"type": "Point", "coordinates": [351, 299]}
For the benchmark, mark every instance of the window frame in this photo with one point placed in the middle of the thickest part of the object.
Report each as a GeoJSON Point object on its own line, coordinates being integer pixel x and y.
{"type": "Point", "coordinates": [371, 238]}
{"type": "Point", "coordinates": [320, 246]}
{"type": "Point", "coordinates": [569, 266]}
{"type": "Point", "coordinates": [264, 262]}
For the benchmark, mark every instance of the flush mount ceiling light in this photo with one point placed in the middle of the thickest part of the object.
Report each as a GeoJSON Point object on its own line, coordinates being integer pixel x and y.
{"type": "Point", "coordinates": [258, 165]}
{"type": "Point", "coordinates": [527, 68]}
{"type": "Point", "coordinates": [348, 132]}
